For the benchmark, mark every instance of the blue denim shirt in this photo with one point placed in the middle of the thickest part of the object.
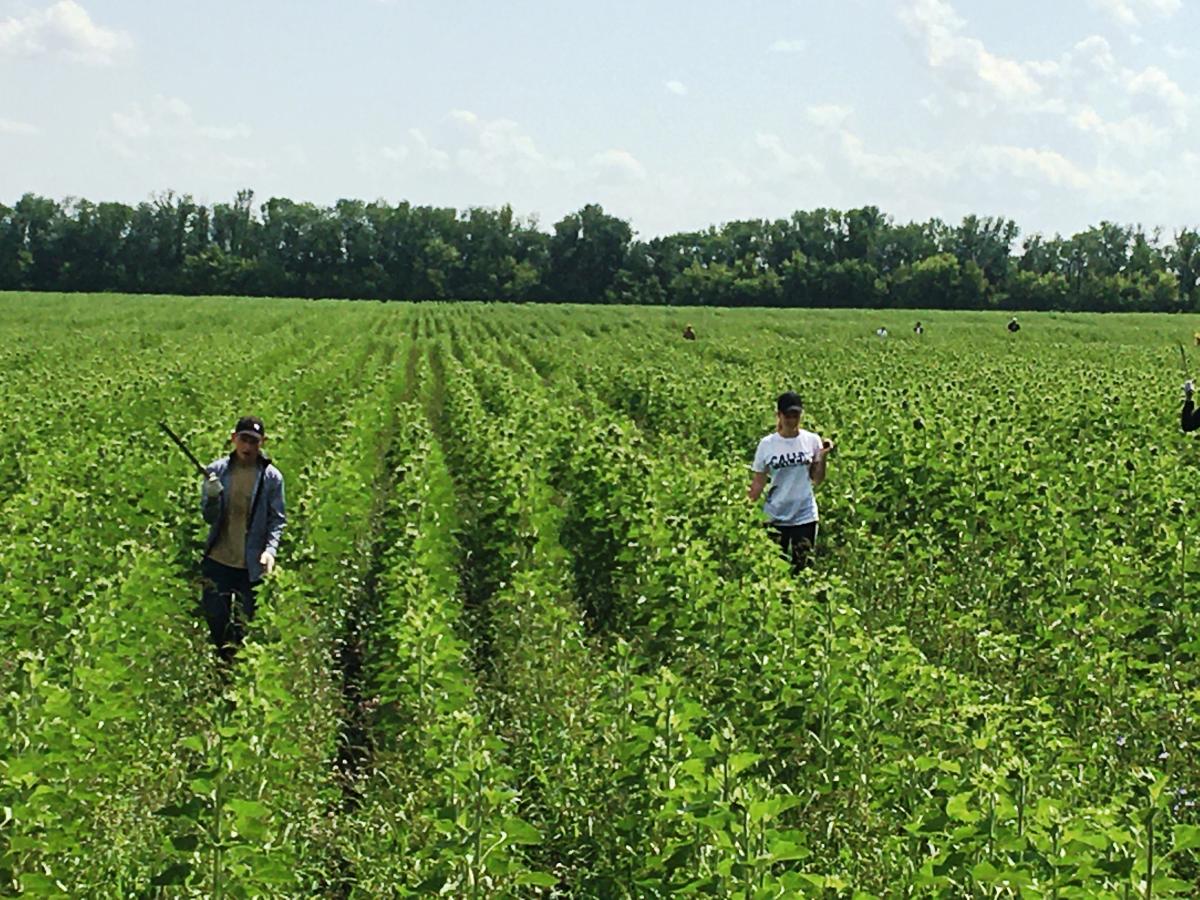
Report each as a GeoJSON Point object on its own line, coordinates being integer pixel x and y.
{"type": "Point", "coordinates": [265, 528]}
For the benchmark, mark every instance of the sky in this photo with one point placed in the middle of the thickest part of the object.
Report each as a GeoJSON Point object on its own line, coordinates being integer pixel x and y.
{"type": "Point", "coordinates": [673, 115]}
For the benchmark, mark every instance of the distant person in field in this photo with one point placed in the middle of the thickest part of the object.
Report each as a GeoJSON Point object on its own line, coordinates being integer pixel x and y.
{"type": "Point", "coordinates": [1013, 325]}
{"type": "Point", "coordinates": [918, 329]}
{"type": "Point", "coordinates": [688, 334]}
{"type": "Point", "coordinates": [792, 462]}
{"type": "Point", "coordinates": [881, 332]}
{"type": "Point", "coordinates": [1196, 338]}
{"type": "Point", "coordinates": [1189, 417]}
{"type": "Point", "coordinates": [242, 502]}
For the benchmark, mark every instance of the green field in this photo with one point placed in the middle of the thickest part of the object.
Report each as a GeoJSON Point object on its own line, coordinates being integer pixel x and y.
{"type": "Point", "coordinates": [529, 638]}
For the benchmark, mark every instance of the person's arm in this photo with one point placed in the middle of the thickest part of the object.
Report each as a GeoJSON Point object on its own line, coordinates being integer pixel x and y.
{"type": "Point", "coordinates": [759, 468]}
{"type": "Point", "coordinates": [816, 469]}
{"type": "Point", "coordinates": [276, 519]}
{"type": "Point", "coordinates": [210, 498]}
{"type": "Point", "coordinates": [757, 483]}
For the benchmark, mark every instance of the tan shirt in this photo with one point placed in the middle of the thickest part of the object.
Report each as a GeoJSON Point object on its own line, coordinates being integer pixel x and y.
{"type": "Point", "coordinates": [230, 548]}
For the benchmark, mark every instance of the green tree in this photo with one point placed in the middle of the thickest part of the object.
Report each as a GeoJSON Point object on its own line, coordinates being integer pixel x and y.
{"type": "Point", "coordinates": [14, 258]}
{"type": "Point", "coordinates": [940, 282]}
{"type": "Point", "coordinates": [987, 242]}
{"type": "Point", "coordinates": [1027, 289]}
{"type": "Point", "coordinates": [1184, 260]}
{"type": "Point", "coordinates": [37, 224]}
{"type": "Point", "coordinates": [587, 250]}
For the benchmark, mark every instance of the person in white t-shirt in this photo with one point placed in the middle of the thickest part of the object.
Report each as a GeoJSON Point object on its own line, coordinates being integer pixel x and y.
{"type": "Point", "coordinates": [793, 462]}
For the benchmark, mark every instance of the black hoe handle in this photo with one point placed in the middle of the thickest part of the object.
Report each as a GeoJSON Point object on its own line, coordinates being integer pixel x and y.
{"type": "Point", "coordinates": [181, 446]}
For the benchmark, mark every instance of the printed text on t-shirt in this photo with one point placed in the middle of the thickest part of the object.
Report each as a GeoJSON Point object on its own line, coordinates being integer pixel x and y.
{"type": "Point", "coordinates": [785, 460]}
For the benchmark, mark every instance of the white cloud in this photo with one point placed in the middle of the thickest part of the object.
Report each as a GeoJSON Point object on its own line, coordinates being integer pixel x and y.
{"type": "Point", "coordinates": [1118, 10]}
{"type": "Point", "coordinates": [793, 46]}
{"type": "Point", "coordinates": [423, 152]}
{"type": "Point", "coordinates": [466, 159]}
{"type": "Point", "coordinates": [394, 154]}
{"type": "Point", "coordinates": [63, 29]}
{"type": "Point", "coordinates": [676, 87]}
{"type": "Point", "coordinates": [131, 123]}
{"type": "Point", "coordinates": [828, 115]}
{"type": "Point", "coordinates": [966, 61]}
{"type": "Point", "coordinates": [1126, 12]}
{"type": "Point", "coordinates": [18, 129]}
{"type": "Point", "coordinates": [1154, 82]}
{"type": "Point", "coordinates": [785, 162]}
{"type": "Point", "coordinates": [430, 156]}
{"type": "Point", "coordinates": [1093, 50]}
{"type": "Point", "coordinates": [496, 150]}
{"type": "Point", "coordinates": [902, 164]}
{"type": "Point", "coordinates": [1094, 55]}
{"type": "Point", "coordinates": [619, 163]}
{"type": "Point", "coordinates": [164, 132]}
{"type": "Point", "coordinates": [1135, 133]}
{"type": "Point", "coordinates": [169, 118]}
{"type": "Point", "coordinates": [224, 132]}
{"type": "Point", "coordinates": [1086, 81]}
{"type": "Point", "coordinates": [1045, 165]}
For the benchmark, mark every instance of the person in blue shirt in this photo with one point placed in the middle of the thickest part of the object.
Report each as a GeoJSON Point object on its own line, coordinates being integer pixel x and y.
{"type": "Point", "coordinates": [242, 501]}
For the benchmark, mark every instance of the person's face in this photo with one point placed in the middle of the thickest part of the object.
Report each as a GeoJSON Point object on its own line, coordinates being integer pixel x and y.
{"type": "Point", "coordinates": [246, 445]}
{"type": "Point", "coordinates": [788, 422]}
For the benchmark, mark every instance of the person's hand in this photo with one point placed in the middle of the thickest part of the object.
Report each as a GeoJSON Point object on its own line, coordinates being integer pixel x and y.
{"type": "Point", "coordinates": [1189, 388]}
{"type": "Point", "coordinates": [826, 447]}
{"type": "Point", "coordinates": [212, 487]}
{"type": "Point", "coordinates": [267, 561]}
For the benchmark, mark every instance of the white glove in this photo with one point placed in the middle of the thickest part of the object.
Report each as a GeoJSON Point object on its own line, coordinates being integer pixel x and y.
{"type": "Point", "coordinates": [212, 487]}
{"type": "Point", "coordinates": [267, 561]}
{"type": "Point", "coordinates": [1189, 388]}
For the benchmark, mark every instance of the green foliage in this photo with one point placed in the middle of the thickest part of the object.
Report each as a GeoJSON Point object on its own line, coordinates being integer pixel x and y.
{"type": "Point", "coordinates": [356, 250]}
{"type": "Point", "coordinates": [528, 638]}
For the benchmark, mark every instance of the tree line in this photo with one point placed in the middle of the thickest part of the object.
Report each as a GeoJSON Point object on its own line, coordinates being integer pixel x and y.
{"type": "Point", "coordinates": [354, 249]}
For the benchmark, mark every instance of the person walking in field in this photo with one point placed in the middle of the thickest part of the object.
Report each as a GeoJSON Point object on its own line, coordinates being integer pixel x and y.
{"type": "Point", "coordinates": [242, 502]}
{"type": "Point", "coordinates": [688, 334]}
{"type": "Point", "coordinates": [1013, 326]}
{"type": "Point", "coordinates": [918, 329]}
{"type": "Point", "coordinates": [1189, 416]}
{"type": "Point", "coordinates": [792, 461]}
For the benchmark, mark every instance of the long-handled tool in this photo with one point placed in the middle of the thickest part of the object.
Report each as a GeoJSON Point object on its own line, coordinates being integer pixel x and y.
{"type": "Point", "coordinates": [183, 447]}
{"type": "Point", "coordinates": [1183, 362]}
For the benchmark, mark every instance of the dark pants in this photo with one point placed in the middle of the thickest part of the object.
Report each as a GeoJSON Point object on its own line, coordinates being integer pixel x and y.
{"type": "Point", "coordinates": [228, 603]}
{"type": "Point", "coordinates": [796, 542]}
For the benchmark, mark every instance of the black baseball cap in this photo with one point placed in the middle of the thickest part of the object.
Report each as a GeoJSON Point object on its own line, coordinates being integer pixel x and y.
{"type": "Point", "coordinates": [250, 425]}
{"type": "Point", "coordinates": [789, 401]}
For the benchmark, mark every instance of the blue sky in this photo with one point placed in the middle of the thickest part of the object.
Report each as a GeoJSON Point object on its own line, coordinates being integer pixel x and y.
{"type": "Point", "coordinates": [674, 115]}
